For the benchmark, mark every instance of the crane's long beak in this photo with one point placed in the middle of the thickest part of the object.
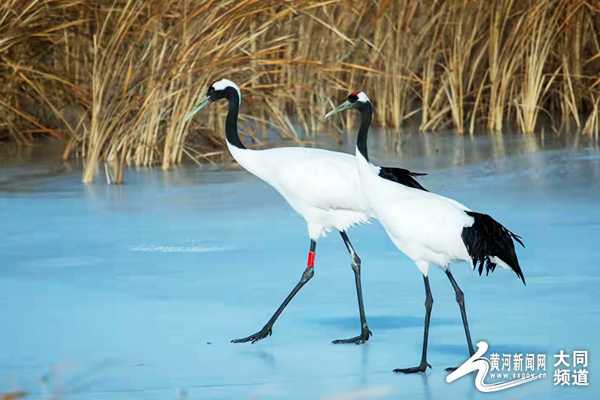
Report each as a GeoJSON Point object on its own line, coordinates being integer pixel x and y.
{"type": "Point", "coordinates": [188, 116]}
{"type": "Point", "coordinates": [344, 106]}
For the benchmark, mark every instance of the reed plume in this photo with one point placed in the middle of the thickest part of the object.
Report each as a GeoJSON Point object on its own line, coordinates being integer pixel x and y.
{"type": "Point", "coordinates": [113, 79]}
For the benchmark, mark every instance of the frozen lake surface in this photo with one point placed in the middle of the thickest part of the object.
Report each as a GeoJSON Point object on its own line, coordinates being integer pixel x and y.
{"type": "Point", "coordinates": [135, 291]}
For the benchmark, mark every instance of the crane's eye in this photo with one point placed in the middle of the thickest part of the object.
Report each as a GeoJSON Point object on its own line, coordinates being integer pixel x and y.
{"type": "Point", "coordinates": [211, 89]}
{"type": "Point", "coordinates": [353, 98]}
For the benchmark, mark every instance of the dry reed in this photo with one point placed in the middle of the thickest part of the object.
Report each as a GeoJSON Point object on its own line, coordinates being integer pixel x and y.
{"type": "Point", "coordinates": [113, 79]}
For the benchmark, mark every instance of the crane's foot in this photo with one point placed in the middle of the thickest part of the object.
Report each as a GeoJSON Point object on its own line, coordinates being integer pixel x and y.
{"type": "Point", "coordinates": [420, 368]}
{"type": "Point", "coordinates": [263, 333]}
{"type": "Point", "coordinates": [360, 339]}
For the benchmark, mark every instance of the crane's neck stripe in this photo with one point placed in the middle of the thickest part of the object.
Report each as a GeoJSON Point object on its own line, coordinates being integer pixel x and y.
{"type": "Point", "coordinates": [366, 112]}
{"type": "Point", "coordinates": [231, 129]}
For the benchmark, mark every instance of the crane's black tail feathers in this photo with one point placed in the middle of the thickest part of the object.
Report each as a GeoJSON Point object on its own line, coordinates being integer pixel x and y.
{"type": "Point", "coordinates": [488, 238]}
{"type": "Point", "coordinates": [402, 176]}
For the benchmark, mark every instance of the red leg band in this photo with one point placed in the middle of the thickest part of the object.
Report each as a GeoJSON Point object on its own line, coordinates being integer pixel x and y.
{"type": "Point", "coordinates": [311, 259]}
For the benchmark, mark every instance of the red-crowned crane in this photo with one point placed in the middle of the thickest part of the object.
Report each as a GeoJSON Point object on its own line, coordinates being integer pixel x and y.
{"type": "Point", "coordinates": [321, 185]}
{"type": "Point", "coordinates": [429, 228]}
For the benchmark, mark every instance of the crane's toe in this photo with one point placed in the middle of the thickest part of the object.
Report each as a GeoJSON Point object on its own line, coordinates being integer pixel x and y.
{"type": "Point", "coordinates": [360, 339]}
{"type": "Point", "coordinates": [421, 368]}
{"type": "Point", "coordinates": [263, 333]}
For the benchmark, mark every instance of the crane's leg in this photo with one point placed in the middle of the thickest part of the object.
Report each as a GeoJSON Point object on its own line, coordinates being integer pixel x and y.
{"type": "Point", "coordinates": [428, 306]}
{"type": "Point", "coordinates": [267, 330]}
{"type": "Point", "coordinates": [365, 331]}
{"type": "Point", "coordinates": [460, 299]}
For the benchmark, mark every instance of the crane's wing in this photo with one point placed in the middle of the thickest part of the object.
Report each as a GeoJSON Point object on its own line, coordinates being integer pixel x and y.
{"type": "Point", "coordinates": [319, 178]}
{"type": "Point", "coordinates": [401, 176]}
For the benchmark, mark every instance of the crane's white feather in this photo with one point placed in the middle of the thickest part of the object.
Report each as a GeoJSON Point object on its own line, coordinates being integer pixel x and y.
{"type": "Point", "coordinates": [498, 261]}
{"type": "Point", "coordinates": [225, 83]}
{"type": "Point", "coordinates": [362, 97]}
{"type": "Point", "coordinates": [423, 225]}
{"type": "Point", "coordinates": [323, 186]}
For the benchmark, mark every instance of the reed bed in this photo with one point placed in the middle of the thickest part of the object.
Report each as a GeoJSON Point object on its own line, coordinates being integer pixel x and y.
{"type": "Point", "coordinates": [113, 79]}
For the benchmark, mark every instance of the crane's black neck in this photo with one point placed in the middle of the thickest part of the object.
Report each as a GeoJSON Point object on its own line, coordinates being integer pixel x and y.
{"type": "Point", "coordinates": [231, 130]}
{"type": "Point", "coordinates": [366, 112]}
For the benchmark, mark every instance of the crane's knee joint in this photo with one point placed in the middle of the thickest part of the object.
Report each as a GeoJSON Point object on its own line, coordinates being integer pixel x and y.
{"type": "Point", "coordinates": [460, 298]}
{"type": "Point", "coordinates": [309, 272]}
{"type": "Point", "coordinates": [356, 264]}
{"type": "Point", "coordinates": [429, 301]}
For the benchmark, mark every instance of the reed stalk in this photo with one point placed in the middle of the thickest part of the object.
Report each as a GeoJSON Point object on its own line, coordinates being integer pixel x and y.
{"type": "Point", "coordinates": [113, 78]}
